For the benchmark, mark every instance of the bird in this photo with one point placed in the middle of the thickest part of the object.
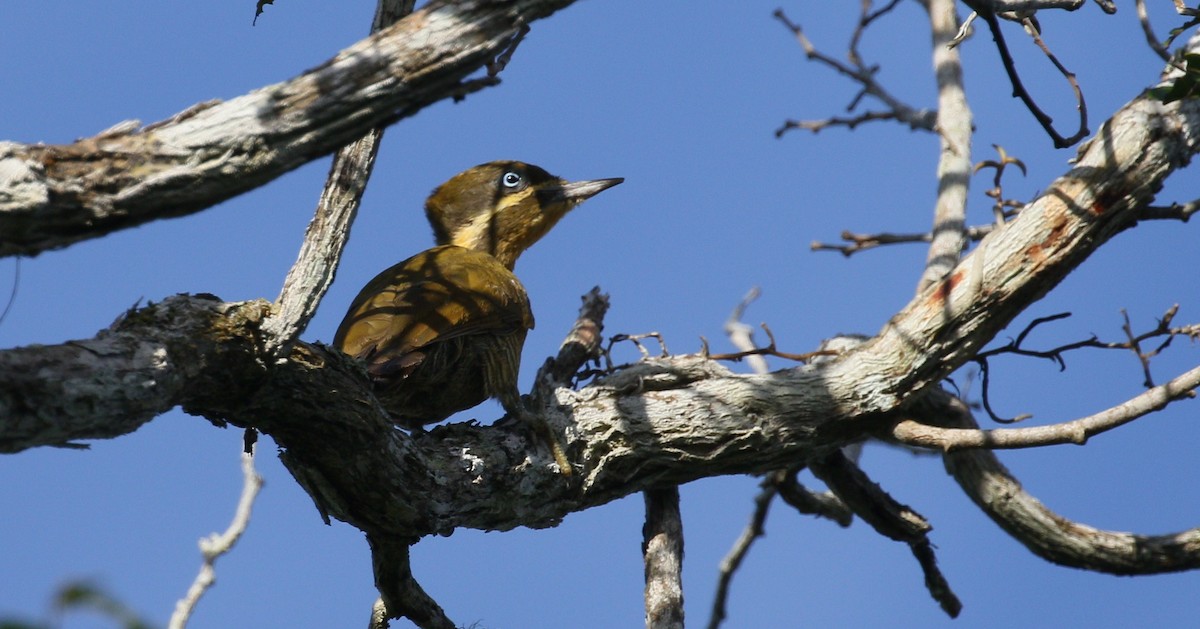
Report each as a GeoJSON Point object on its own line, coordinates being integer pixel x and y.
{"type": "Point", "coordinates": [443, 330]}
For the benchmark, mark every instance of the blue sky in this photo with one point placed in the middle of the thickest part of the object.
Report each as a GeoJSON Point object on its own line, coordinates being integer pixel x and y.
{"type": "Point", "coordinates": [682, 100]}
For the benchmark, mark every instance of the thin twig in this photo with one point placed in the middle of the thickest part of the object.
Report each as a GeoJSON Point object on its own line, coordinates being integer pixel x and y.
{"type": "Point", "coordinates": [733, 559]}
{"type": "Point", "coordinates": [866, 17]}
{"type": "Point", "coordinates": [863, 242]}
{"type": "Point", "coordinates": [863, 75]}
{"type": "Point", "coordinates": [1078, 431]}
{"type": "Point", "coordinates": [1019, 90]}
{"type": "Point", "coordinates": [1081, 104]}
{"type": "Point", "coordinates": [12, 294]}
{"type": "Point", "coordinates": [1132, 343]}
{"type": "Point", "coordinates": [1175, 211]}
{"type": "Point", "coordinates": [769, 350]}
{"type": "Point", "coordinates": [1148, 31]}
{"type": "Point", "coordinates": [999, 208]}
{"type": "Point", "coordinates": [215, 545]}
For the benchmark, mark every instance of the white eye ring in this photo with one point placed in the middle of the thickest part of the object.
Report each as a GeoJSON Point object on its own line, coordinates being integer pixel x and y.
{"type": "Point", "coordinates": [511, 179]}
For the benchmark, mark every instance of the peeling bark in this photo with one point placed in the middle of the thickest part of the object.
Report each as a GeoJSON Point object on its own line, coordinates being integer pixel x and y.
{"type": "Point", "coordinates": [52, 196]}
{"type": "Point", "coordinates": [653, 423]}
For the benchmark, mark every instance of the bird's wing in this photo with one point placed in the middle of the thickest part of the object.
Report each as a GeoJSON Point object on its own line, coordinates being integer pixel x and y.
{"type": "Point", "coordinates": [439, 294]}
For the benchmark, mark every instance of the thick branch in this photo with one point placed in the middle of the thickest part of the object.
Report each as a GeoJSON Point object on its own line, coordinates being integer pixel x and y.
{"type": "Point", "coordinates": [654, 423]}
{"type": "Point", "coordinates": [53, 196]}
{"type": "Point", "coordinates": [1115, 176]}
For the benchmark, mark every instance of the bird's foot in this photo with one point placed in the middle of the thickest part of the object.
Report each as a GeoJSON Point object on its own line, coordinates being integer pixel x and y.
{"type": "Point", "coordinates": [542, 432]}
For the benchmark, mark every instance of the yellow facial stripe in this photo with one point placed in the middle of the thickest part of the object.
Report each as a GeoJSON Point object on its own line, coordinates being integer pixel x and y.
{"type": "Point", "coordinates": [478, 233]}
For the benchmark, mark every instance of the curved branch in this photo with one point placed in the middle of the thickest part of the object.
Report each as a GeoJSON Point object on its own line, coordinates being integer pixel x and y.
{"type": "Point", "coordinates": [1019, 90]}
{"type": "Point", "coordinates": [54, 195]}
{"type": "Point", "coordinates": [1049, 535]}
{"type": "Point", "coordinates": [1077, 431]}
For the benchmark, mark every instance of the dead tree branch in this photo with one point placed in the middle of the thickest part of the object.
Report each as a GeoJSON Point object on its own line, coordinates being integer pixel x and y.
{"type": "Point", "coordinates": [733, 559]}
{"type": "Point", "coordinates": [992, 18]}
{"type": "Point", "coordinates": [922, 119]}
{"type": "Point", "coordinates": [54, 195]}
{"type": "Point", "coordinates": [864, 242]}
{"type": "Point", "coordinates": [313, 271]}
{"type": "Point", "coordinates": [214, 546]}
{"type": "Point", "coordinates": [889, 518]}
{"type": "Point", "coordinates": [955, 127]}
{"type": "Point", "coordinates": [1078, 431]}
{"type": "Point", "coordinates": [1174, 212]}
{"type": "Point", "coordinates": [1132, 343]}
{"type": "Point", "coordinates": [1049, 535]}
{"type": "Point", "coordinates": [662, 550]}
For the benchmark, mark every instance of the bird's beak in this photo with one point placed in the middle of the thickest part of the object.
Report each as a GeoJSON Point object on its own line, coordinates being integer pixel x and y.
{"type": "Point", "coordinates": [578, 191]}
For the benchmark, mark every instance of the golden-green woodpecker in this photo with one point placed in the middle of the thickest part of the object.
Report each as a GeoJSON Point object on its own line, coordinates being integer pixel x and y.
{"type": "Point", "coordinates": [443, 330]}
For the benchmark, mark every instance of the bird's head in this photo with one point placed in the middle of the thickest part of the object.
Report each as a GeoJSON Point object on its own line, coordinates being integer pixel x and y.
{"type": "Point", "coordinates": [503, 207]}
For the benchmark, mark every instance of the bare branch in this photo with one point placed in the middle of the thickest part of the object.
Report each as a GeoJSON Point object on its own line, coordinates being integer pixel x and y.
{"type": "Point", "coordinates": [53, 196]}
{"type": "Point", "coordinates": [1132, 343]}
{"type": "Point", "coordinates": [741, 334]}
{"type": "Point", "coordinates": [824, 504]}
{"type": "Point", "coordinates": [314, 269]}
{"type": "Point", "coordinates": [379, 618]}
{"type": "Point", "coordinates": [864, 76]}
{"type": "Point", "coordinates": [733, 559]}
{"type": "Point", "coordinates": [1078, 431]}
{"type": "Point", "coordinates": [954, 126]}
{"type": "Point", "coordinates": [889, 518]}
{"type": "Point", "coordinates": [863, 242]}
{"type": "Point", "coordinates": [1000, 211]}
{"type": "Point", "coordinates": [1026, 6]}
{"type": "Point", "coordinates": [581, 345]}
{"type": "Point", "coordinates": [770, 350]}
{"type": "Point", "coordinates": [1175, 211]}
{"type": "Point", "coordinates": [990, 17]}
{"type": "Point", "coordinates": [865, 18]}
{"type": "Point", "coordinates": [1049, 535]}
{"type": "Point", "coordinates": [214, 546]}
{"type": "Point", "coordinates": [1148, 31]}
{"type": "Point", "coordinates": [400, 593]}
{"type": "Point", "coordinates": [662, 550]}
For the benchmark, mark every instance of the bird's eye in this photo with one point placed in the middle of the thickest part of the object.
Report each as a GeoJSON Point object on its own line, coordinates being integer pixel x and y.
{"type": "Point", "coordinates": [511, 179]}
